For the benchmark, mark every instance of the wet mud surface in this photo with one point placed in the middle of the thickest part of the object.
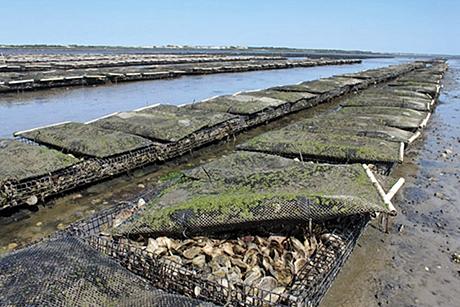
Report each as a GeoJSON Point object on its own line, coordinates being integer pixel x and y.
{"type": "Point", "coordinates": [412, 265]}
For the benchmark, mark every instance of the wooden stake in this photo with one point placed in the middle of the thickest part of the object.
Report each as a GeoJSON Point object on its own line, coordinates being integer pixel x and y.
{"type": "Point", "coordinates": [425, 121]}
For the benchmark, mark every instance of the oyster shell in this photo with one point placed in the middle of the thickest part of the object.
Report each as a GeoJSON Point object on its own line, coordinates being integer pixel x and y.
{"type": "Point", "coordinates": [267, 283]}
{"type": "Point", "coordinates": [199, 261]}
{"type": "Point", "coordinates": [192, 252]}
{"type": "Point", "coordinates": [253, 276]}
{"type": "Point", "coordinates": [264, 263]}
{"type": "Point", "coordinates": [299, 264]}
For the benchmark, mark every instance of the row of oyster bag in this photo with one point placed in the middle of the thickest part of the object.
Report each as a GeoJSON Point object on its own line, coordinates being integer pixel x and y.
{"type": "Point", "coordinates": [247, 189]}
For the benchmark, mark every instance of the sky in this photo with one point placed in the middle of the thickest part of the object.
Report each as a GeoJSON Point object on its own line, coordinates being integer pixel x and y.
{"type": "Point", "coordinates": [421, 26]}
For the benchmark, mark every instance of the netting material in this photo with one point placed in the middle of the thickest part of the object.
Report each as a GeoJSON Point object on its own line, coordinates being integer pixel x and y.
{"type": "Point", "coordinates": [291, 97]}
{"type": "Point", "coordinates": [246, 189]}
{"type": "Point", "coordinates": [77, 75]}
{"type": "Point", "coordinates": [395, 112]}
{"type": "Point", "coordinates": [165, 123]}
{"type": "Point", "coordinates": [308, 286]}
{"type": "Point", "coordinates": [359, 131]}
{"type": "Point", "coordinates": [86, 140]}
{"type": "Point", "coordinates": [14, 192]}
{"type": "Point", "coordinates": [20, 161]}
{"type": "Point", "coordinates": [365, 100]}
{"type": "Point", "coordinates": [324, 146]}
{"type": "Point", "coordinates": [68, 272]}
{"type": "Point", "coordinates": [239, 104]}
{"type": "Point", "coordinates": [354, 127]}
{"type": "Point", "coordinates": [400, 122]}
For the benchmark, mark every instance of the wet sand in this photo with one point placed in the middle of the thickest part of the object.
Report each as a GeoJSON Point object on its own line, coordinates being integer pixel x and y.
{"type": "Point", "coordinates": [412, 265]}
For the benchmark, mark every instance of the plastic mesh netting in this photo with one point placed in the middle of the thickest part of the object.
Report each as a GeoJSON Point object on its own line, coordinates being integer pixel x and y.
{"type": "Point", "coordinates": [307, 287]}
{"type": "Point", "coordinates": [246, 189]}
{"type": "Point", "coordinates": [68, 272]}
{"type": "Point", "coordinates": [165, 123]}
{"type": "Point", "coordinates": [19, 160]}
{"type": "Point", "coordinates": [254, 195]}
{"type": "Point", "coordinates": [238, 104]}
{"type": "Point", "coordinates": [86, 140]}
{"type": "Point", "coordinates": [355, 127]}
{"type": "Point", "coordinates": [324, 146]}
{"type": "Point", "coordinates": [388, 100]}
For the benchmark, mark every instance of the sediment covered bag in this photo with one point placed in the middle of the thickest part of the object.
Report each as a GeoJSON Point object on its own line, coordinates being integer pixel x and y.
{"type": "Point", "coordinates": [68, 272]}
{"type": "Point", "coordinates": [248, 189]}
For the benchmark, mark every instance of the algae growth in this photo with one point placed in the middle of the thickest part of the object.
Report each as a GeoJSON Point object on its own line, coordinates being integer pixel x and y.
{"type": "Point", "coordinates": [324, 146]}
{"type": "Point", "coordinates": [164, 123]}
{"type": "Point", "coordinates": [86, 139]}
{"type": "Point", "coordinates": [19, 160]}
{"type": "Point", "coordinates": [246, 187]}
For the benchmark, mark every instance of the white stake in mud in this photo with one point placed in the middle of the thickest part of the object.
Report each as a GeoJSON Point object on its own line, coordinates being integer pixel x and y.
{"type": "Point", "coordinates": [425, 121]}
{"type": "Point", "coordinates": [380, 190]}
{"type": "Point", "coordinates": [438, 89]}
{"type": "Point", "coordinates": [386, 199]}
{"type": "Point", "coordinates": [395, 188]}
{"type": "Point", "coordinates": [401, 152]}
{"type": "Point", "coordinates": [414, 137]}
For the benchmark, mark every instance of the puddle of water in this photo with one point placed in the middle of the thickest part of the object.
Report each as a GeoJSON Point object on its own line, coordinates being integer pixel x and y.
{"type": "Point", "coordinates": [34, 109]}
{"type": "Point", "coordinates": [412, 266]}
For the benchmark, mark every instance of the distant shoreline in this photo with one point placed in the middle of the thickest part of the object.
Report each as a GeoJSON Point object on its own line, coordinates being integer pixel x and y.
{"type": "Point", "coordinates": [287, 52]}
{"type": "Point", "coordinates": [236, 50]}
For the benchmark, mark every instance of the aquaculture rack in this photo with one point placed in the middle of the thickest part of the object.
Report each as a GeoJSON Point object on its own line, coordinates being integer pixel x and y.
{"type": "Point", "coordinates": [308, 288]}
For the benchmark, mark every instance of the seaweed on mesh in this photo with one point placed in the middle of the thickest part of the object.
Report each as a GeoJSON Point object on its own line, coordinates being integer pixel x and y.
{"type": "Point", "coordinates": [86, 140]}
{"type": "Point", "coordinates": [364, 100]}
{"type": "Point", "coordinates": [164, 123]}
{"type": "Point", "coordinates": [353, 127]}
{"type": "Point", "coordinates": [19, 160]}
{"type": "Point", "coordinates": [240, 104]}
{"type": "Point", "coordinates": [240, 190]}
{"type": "Point", "coordinates": [325, 146]}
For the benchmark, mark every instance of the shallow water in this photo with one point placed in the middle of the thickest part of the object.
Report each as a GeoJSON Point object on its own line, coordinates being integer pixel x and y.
{"type": "Point", "coordinates": [28, 110]}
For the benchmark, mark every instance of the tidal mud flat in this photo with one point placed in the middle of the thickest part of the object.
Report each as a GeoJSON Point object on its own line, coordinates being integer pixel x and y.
{"type": "Point", "coordinates": [416, 264]}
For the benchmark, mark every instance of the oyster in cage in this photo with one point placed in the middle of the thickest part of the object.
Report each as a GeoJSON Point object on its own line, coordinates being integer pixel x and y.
{"type": "Point", "coordinates": [265, 264]}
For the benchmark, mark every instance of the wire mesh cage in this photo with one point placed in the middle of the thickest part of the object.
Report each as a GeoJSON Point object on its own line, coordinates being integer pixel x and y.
{"type": "Point", "coordinates": [68, 272]}
{"type": "Point", "coordinates": [14, 192]}
{"type": "Point", "coordinates": [307, 288]}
